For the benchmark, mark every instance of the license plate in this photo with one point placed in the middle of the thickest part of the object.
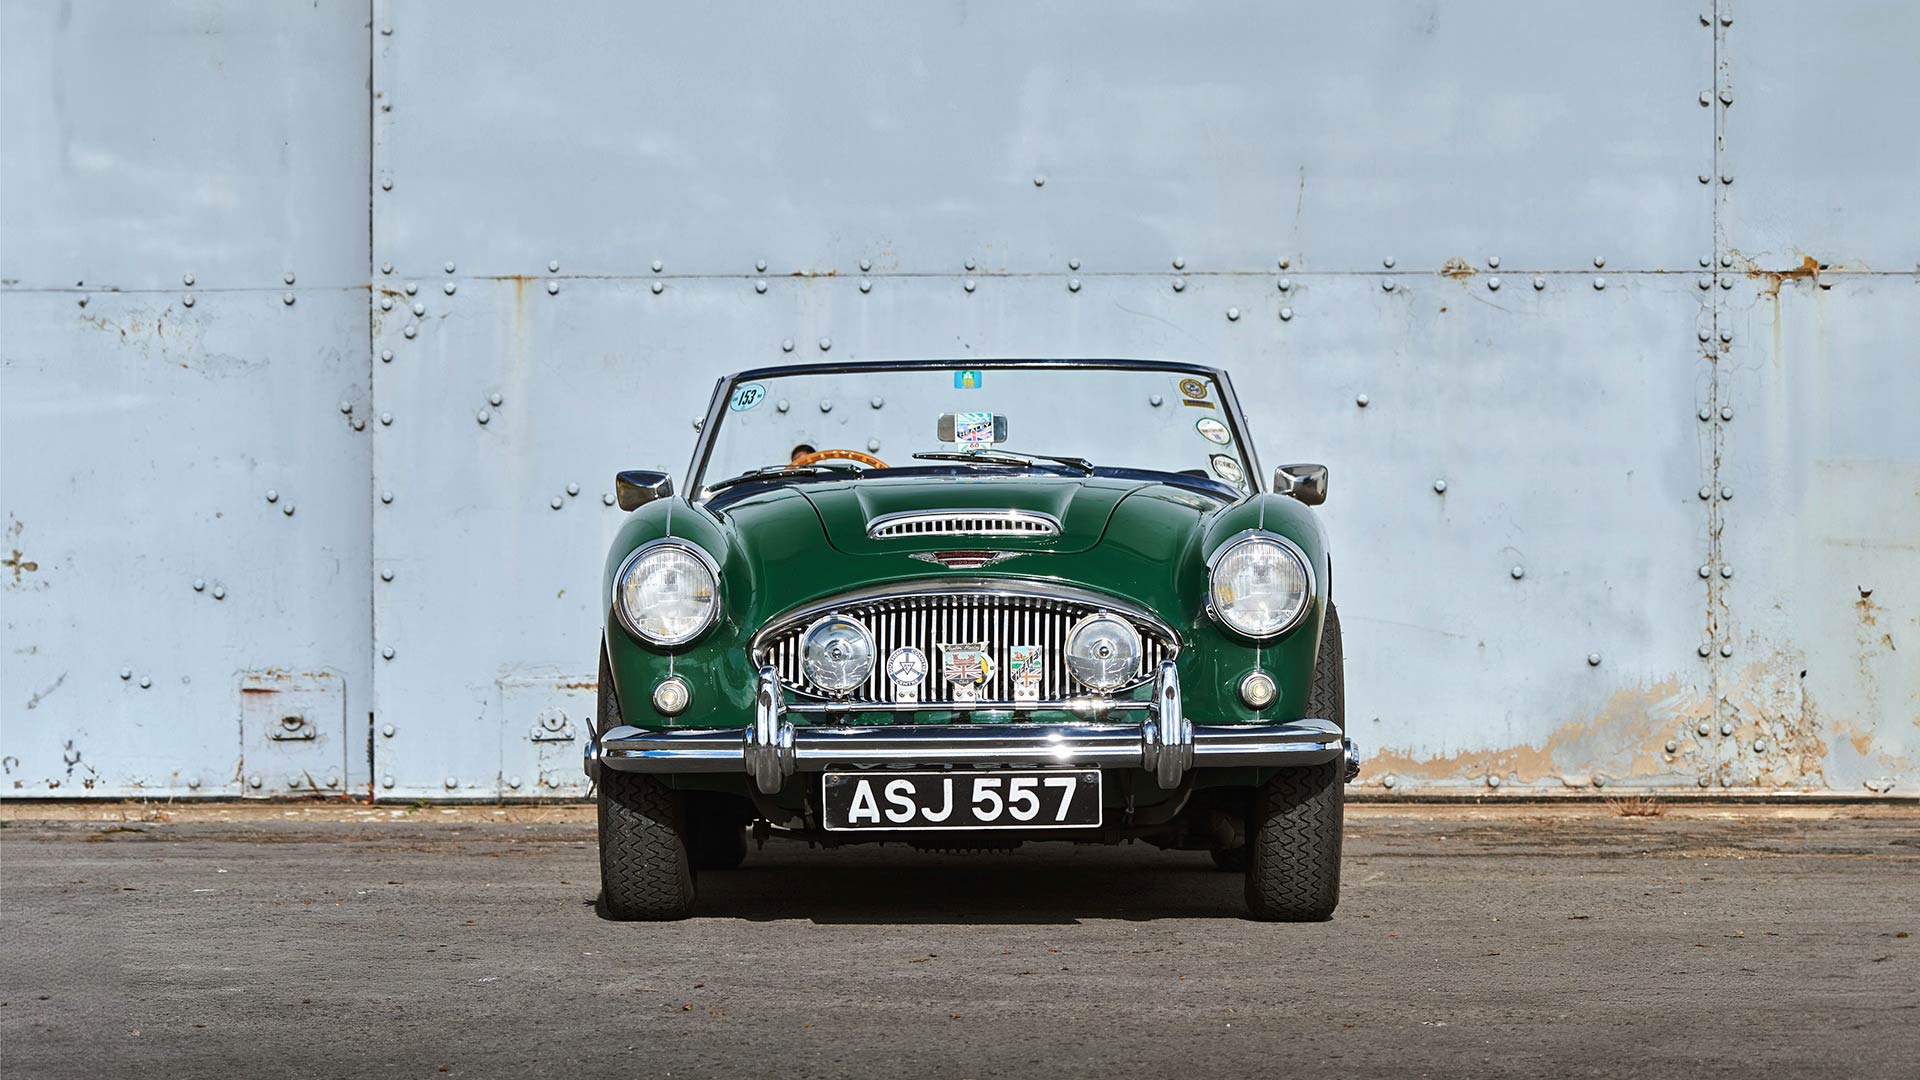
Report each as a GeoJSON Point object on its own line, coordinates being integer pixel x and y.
{"type": "Point", "coordinates": [1011, 799]}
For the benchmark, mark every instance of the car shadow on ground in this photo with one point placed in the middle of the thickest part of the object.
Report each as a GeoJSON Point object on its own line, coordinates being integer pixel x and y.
{"type": "Point", "coordinates": [1039, 884]}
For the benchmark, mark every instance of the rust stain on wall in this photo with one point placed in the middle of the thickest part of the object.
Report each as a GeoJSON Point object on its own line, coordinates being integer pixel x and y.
{"type": "Point", "coordinates": [1809, 268]}
{"type": "Point", "coordinates": [1626, 738]}
{"type": "Point", "coordinates": [16, 560]}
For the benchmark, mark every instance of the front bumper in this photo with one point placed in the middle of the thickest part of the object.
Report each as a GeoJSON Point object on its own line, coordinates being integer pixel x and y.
{"type": "Point", "coordinates": [772, 748]}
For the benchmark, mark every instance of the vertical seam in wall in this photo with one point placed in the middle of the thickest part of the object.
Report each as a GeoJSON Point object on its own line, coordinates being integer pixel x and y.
{"type": "Point", "coordinates": [1718, 630]}
{"type": "Point", "coordinates": [373, 479]}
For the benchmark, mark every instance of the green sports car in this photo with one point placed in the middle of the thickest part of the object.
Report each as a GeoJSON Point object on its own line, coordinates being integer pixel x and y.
{"type": "Point", "coordinates": [962, 605]}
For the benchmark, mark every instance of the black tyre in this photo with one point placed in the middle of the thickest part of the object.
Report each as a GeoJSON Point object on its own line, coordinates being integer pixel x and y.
{"type": "Point", "coordinates": [645, 868]}
{"type": "Point", "coordinates": [1293, 834]}
{"type": "Point", "coordinates": [645, 871]}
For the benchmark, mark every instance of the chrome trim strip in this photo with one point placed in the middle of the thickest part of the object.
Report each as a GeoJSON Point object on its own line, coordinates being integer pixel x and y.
{"type": "Point", "coordinates": [1086, 706]}
{"type": "Point", "coordinates": [897, 526]}
{"type": "Point", "coordinates": [1106, 745]}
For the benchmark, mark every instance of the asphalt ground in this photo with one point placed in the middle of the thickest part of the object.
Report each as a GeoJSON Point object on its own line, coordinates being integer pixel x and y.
{"type": "Point", "coordinates": [343, 940]}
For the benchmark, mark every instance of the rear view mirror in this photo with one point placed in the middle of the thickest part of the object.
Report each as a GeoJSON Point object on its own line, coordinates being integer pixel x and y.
{"type": "Point", "coordinates": [1308, 483]}
{"type": "Point", "coordinates": [636, 488]}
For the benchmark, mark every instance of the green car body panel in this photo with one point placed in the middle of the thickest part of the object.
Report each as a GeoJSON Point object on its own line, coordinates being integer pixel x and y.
{"type": "Point", "coordinates": [784, 546]}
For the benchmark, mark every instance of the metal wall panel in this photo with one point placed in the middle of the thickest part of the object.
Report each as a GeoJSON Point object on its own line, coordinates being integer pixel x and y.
{"type": "Point", "coordinates": [188, 532]}
{"type": "Point", "coordinates": [183, 261]}
{"type": "Point", "coordinates": [1816, 98]}
{"type": "Point", "coordinates": [1022, 135]}
{"type": "Point", "coordinates": [1558, 252]}
{"type": "Point", "coordinates": [226, 139]}
{"type": "Point", "coordinates": [1818, 603]}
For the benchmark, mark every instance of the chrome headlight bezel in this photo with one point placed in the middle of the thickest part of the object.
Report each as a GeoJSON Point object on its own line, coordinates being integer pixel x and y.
{"type": "Point", "coordinates": [807, 664]}
{"type": "Point", "coordinates": [1288, 547]}
{"type": "Point", "coordinates": [628, 619]}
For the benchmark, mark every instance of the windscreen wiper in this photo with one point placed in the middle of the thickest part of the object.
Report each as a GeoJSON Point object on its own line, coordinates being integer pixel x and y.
{"type": "Point", "coordinates": [1007, 457]}
{"type": "Point", "coordinates": [773, 471]}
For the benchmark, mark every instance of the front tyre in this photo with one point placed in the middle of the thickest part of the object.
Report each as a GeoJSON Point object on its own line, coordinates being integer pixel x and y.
{"type": "Point", "coordinates": [1293, 849]}
{"type": "Point", "coordinates": [645, 869]}
{"type": "Point", "coordinates": [1293, 835]}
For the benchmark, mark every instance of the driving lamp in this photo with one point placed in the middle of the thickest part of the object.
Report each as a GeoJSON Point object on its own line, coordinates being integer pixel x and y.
{"type": "Point", "coordinates": [837, 654]}
{"type": "Point", "coordinates": [667, 594]}
{"type": "Point", "coordinates": [1260, 586]}
{"type": "Point", "coordinates": [1103, 651]}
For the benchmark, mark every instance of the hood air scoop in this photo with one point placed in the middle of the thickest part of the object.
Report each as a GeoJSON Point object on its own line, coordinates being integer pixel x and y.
{"type": "Point", "coordinates": [914, 524]}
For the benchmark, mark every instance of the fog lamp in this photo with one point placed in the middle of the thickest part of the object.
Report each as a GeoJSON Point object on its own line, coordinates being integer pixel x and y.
{"type": "Point", "coordinates": [837, 654]}
{"type": "Point", "coordinates": [1103, 651]}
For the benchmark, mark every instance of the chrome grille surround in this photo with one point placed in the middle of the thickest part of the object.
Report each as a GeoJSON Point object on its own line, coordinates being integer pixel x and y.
{"type": "Point", "coordinates": [934, 613]}
{"type": "Point", "coordinates": [912, 524]}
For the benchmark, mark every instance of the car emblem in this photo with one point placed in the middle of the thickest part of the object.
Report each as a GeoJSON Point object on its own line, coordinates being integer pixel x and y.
{"type": "Point", "coordinates": [907, 667]}
{"type": "Point", "coordinates": [1025, 667]}
{"type": "Point", "coordinates": [966, 560]}
{"type": "Point", "coordinates": [965, 667]}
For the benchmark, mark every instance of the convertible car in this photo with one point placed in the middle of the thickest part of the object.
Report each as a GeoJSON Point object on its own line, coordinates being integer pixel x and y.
{"type": "Point", "coordinates": [963, 605]}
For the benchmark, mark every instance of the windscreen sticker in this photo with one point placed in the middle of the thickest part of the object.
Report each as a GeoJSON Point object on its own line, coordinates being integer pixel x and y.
{"type": "Point", "coordinates": [1193, 388]}
{"type": "Point", "coordinates": [1226, 468]}
{"type": "Point", "coordinates": [973, 430]}
{"type": "Point", "coordinates": [1198, 404]}
{"type": "Point", "coordinates": [968, 379]}
{"type": "Point", "coordinates": [1213, 431]}
{"type": "Point", "coordinates": [746, 397]}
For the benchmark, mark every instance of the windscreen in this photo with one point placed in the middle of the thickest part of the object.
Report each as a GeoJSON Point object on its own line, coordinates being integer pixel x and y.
{"type": "Point", "coordinates": [1162, 421]}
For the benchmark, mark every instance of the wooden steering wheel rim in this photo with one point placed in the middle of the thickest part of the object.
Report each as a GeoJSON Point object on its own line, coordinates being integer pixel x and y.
{"type": "Point", "coordinates": [851, 455]}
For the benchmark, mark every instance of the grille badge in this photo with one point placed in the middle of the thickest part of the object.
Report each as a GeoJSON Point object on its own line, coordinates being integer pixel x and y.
{"type": "Point", "coordinates": [966, 560]}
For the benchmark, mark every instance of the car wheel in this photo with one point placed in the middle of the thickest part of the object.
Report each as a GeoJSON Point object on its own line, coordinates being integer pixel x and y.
{"type": "Point", "coordinates": [645, 871]}
{"type": "Point", "coordinates": [1293, 837]}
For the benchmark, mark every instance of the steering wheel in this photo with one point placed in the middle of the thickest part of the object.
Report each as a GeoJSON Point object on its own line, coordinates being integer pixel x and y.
{"type": "Point", "coordinates": [851, 455]}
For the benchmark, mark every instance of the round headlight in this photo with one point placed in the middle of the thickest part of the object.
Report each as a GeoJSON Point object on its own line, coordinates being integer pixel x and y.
{"type": "Point", "coordinates": [1260, 587]}
{"type": "Point", "coordinates": [667, 594]}
{"type": "Point", "coordinates": [837, 654]}
{"type": "Point", "coordinates": [1103, 651]}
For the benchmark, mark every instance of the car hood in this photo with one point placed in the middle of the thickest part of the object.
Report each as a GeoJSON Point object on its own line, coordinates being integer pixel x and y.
{"type": "Point", "coordinates": [1082, 505]}
{"type": "Point", "coordinates": [798, 542]}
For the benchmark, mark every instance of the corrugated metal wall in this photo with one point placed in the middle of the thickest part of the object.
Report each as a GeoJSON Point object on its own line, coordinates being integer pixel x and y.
{"type": "Point", "coordinates": [325, 327]}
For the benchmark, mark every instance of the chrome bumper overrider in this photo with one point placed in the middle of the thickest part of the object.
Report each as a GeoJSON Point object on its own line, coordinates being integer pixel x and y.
{"type": "Point", "coordinates": [772, 749]}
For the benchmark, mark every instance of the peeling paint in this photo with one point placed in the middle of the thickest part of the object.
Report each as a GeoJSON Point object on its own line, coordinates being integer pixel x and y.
{"type": "Point", "coordinates": [1808, 269]}
{"type": "Point", "coordinates": [1624, 741]}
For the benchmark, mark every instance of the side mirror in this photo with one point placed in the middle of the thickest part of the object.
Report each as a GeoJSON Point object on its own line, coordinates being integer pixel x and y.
{"type": "Point", "coordinates": [1308, 483]}
{"type": "Point", "coordinates": [636, 488]}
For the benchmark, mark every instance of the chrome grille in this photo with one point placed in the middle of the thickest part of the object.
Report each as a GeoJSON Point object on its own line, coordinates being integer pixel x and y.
{"type": "Point", "coordinates": [929, 620]}
{"type": "Point", "coordinates": [963, 523]}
